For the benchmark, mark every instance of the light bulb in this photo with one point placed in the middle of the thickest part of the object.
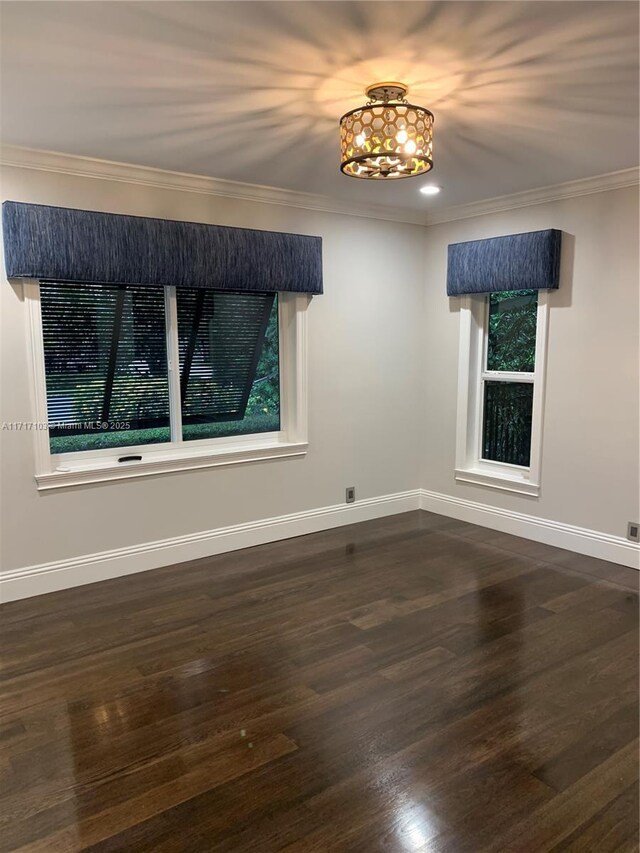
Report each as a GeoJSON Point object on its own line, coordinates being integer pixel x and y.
{"type": "Point", "coordinates": [410, 147]}
{"type": "Point", "coordinates": [360, 140]}
{"type": "Point", "coordinates": [402, 136]}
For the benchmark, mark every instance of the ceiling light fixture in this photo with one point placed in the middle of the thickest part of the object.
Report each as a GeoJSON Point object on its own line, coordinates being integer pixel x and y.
{"type": "Point", "coordinates": [387, 137]}
{"type": "Point", "coordinates": [430, 189]}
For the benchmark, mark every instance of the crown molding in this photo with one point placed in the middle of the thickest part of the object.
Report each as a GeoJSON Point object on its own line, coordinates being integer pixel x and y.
{"type": "Point", "coordinates": [570, 189]}
{"type": "Point", "coordinates": [90, 167]}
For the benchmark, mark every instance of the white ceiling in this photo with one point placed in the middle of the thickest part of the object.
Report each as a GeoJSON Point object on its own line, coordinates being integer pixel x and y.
{"type": "Point", "coordinates": [525, 94]}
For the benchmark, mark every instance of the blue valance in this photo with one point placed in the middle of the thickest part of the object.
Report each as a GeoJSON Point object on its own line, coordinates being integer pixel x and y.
{"type": "Point", "coordinates": [63, 244]}
{"type": "Point", "coordinates": [528, 261]}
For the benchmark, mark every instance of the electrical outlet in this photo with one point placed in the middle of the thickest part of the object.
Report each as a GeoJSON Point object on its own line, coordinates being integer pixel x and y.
{"type": "Point", "coordinates": [633, 531]}
{"type": "Point", "coordinates": [351, 494]}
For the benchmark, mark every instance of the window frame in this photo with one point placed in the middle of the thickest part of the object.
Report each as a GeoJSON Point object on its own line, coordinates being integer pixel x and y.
{"type": "Point", "coordinates": [470, 467]}
{"type": "Point", "coordinates": [94, 466]}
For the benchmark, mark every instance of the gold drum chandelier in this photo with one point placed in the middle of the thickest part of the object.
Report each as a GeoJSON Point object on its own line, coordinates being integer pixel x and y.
{"type": "Point", "coordinates": [387, 138]}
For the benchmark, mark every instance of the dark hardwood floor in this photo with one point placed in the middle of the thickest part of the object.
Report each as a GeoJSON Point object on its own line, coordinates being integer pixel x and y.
{"type": "Point", "coordinates": [408, 684]}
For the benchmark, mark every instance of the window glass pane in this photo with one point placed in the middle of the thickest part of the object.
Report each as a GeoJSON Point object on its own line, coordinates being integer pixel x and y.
{"type": "Point", "coordinates": [512, 330]}
{"type": "Point", "coordinates": [229, 369]}
{"type": "Point", "coordinates": [106, 366]}
{"type": "Point", "coordinates": [506, 428]}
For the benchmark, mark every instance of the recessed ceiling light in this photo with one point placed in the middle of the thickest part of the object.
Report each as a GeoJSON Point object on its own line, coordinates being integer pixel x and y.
{"type": "Point", "coordinates": [430, 189]}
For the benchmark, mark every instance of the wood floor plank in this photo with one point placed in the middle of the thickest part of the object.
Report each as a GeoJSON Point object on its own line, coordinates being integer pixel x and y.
{"type": "Point", "coordinates": [550, 824]}
{"type": "Point", "coordinates": [611, 830]}
{"type": "Point", "coordinates": [591, 750]}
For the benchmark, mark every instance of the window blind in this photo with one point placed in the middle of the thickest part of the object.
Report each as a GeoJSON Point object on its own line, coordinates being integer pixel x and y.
{"type": "Point", "coordinates": [105, 359]}
{"type": "Point", "coordinates": [220, 338]}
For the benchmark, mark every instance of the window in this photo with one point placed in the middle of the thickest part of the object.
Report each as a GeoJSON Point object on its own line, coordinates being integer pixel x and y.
{"type": "Point", "coordinates": [174, 377]}
{"type": "Point", "coordinates": [105, 361]}
{"type": "Point", "coordinates": [229, 376]}
{"type": "Point", "coordinates": [500, 389]}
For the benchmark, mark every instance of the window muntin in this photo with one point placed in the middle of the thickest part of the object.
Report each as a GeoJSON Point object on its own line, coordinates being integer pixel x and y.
{"type": "Point", "coordinates": [107, 366]}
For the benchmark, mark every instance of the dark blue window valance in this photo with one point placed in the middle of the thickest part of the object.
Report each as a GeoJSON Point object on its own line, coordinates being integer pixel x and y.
{"type": "Point", "coordinates": [517, 262]}
{"type": "Point", "coordinates": [63, 244]}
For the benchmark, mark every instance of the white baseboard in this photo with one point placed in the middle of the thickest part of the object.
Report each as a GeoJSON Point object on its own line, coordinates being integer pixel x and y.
{"type": "Point", "coordinates": [63, 574]}
{"type": "Point", "coordinates": [604, 546]}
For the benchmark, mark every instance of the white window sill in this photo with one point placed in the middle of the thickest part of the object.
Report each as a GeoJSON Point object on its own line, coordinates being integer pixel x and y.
{"type": "Point", "coordinates": [160, 462]}
{"type": "Point", "coordinates": [509, 481]}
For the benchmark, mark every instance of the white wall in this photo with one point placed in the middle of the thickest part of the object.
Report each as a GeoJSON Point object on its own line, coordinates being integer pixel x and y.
{"type": "Point", "coordinates": [382, 378]}
{"type": "Point", "coordinates": [364, 387]}
{"type": "Point", "coordinates": [590, 431]}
